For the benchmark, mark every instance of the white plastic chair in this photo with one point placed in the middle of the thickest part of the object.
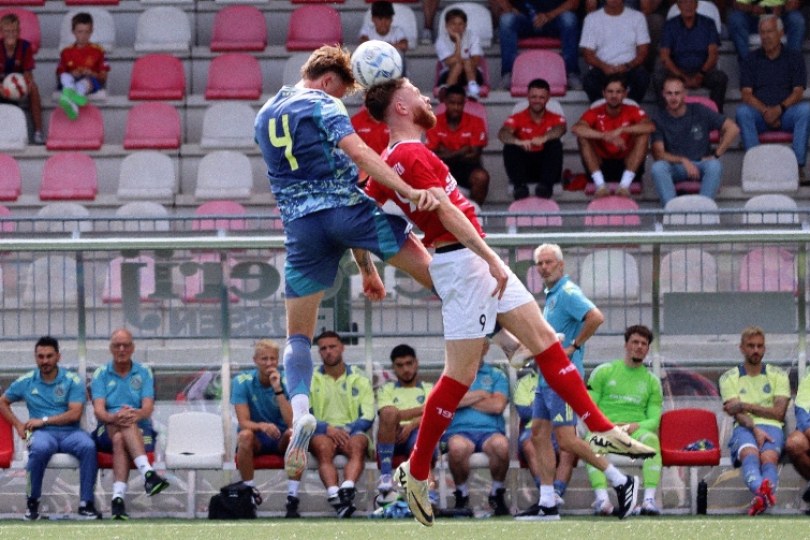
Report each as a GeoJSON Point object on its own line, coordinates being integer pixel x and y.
{"type": "Point", "coordinates": [479, 20]}
{"type": "Point", "coordinates": [163, 28]}
{"type": "Point", "coordinates": [103, 27]}
{"type": "Point", "coordinates": [147, 175]}
{"type": "Point", "coordinates": [14, 135]}
{"type": "Point", "coordinates": [769, 168]}
{"type": "Point", "coordinates": [691, 210]}
{"type": "Point", "coordinates": [51, 281]}
{"type": "Point", "coordinates": [63, 211]}
{"type": "Point", "coordinates": [148, 213]}
{"type": "Point", "coordinates": [228, 125]}
{"type": "Point", "coordinates": [783, 205]}
{"type": "Point", "coordinates": [609, 274]}
{"type": "Point", "coordinates": [224, 174]}
{"type": "Point", "coordinates": [688, 270]}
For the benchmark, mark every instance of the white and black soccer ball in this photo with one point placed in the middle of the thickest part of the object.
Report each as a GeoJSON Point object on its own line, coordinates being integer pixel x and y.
{"type": "Point", "coordinates": [384, 499]}
{"type": "Point", "coordinates": [14, 86]}
{"type": "Point", "coordinates": [374, 62]}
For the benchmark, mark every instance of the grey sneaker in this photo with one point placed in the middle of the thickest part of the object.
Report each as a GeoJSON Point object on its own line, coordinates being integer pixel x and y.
{"type": "Point", "coordinates": [295, 459]}
{"type": "Point", "coordinates": [506, 81]}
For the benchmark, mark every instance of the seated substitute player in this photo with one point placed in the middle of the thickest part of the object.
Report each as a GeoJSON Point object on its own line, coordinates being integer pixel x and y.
{"type": "Point", "coordinates": [466, 272]}
{"type": "Point", "coordinates": [82, 68]}
{"type": "Point", "coordinates": [399, 407]}
{"type": "Point", "coordinates": [343, 404]}
{"type": "Point", "coordinates": [756, 395]}
{"type": "Point", "coordinates": [123, 394]}
{"type": "Point", "coordinates": [264, 415]}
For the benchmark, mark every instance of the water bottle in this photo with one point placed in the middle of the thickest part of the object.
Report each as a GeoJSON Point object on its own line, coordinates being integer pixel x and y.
{"type": "Point", "coordinates": [702, 496]}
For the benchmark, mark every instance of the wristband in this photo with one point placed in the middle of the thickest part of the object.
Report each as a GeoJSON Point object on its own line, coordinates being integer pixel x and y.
{"type": "Point", "coordinates": [280, 392]}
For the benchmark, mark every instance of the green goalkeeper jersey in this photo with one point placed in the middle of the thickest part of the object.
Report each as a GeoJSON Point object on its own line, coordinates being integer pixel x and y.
{"type": "Point", "coordinates": [627, 394]}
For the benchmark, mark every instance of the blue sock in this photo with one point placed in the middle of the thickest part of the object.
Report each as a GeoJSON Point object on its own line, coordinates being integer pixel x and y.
{"type": "Point", "coordinates": [750, 472]}
{"type": "Point", "coordinates": [298, 364]}
{"type": "Point", "coordinates": [560, 487]}
{"type": "Point", "coordinates": [385, 453]}
{"type": "Point", "coordinates": [769, 472]}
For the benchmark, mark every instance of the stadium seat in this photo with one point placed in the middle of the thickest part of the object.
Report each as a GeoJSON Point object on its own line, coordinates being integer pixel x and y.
{"type": "Point", "coordinates": [234, 76]}
{"type": "Point", "coordinates": [7, 226]}
{"type": "Point", "coordinates": [312, 26]}
{"type": "Point", "coordinates": [144, 273]}
{"type": "Point", "coordinates": [405, 18]}
{"type": "Point", "coordinates": [157, 77]}
{"type": "Point", "coordinates": [141, 216]}
{"type": "Point", "coordinates": [55, 218]}
{"type": "Point", "coordinates": [163, 29]}
{"type": "Point", "coordinates": [69, 176]}
{"type": "Point", "coordinates": [224, 174]}
{"type": "Point", "coordinates": [103, 28]}
{"type": "Point", "coordinates": [6, 443]}
{"type": "Point", "coordinates": [484, 76]}
{"type": "Point", "coordinates": [784, 210]}
{"type": "Point", "coordinates": [194, 440]}
{"type": "Point", "coordinates": [51, 281]}
{"type": "Point", "coordinates": [10, 178]}
{"type": "Point", "coordinates": [768, 269]}
{"type": "Point", "coordinates": [539, 42]}
{"type": "Point", "coordinates": [602, 210]}
{"type": "Point", "coordinates": [147, 175]}
{"type": "Point", "coordinates": [91, 2]}
{"type": "Point", "coordinates": [635, 188]}
{"type": "Point", "coordinates": [105, 460]}
{"type": "Point", "coordinates": [471, 106]}
{"type": "Point", "coordinates": [29, 25]}
{"type": "Point", "coordinates": [688, 270]}
{"type": "Point", "coordinates": [691, 210]}
{"type": "Point", "coordinates": [538, 63]}
{"type": "Point", "coordinates": [706, 8]}
{"type": "Point", "coordinates": [239, 28]}
{"type": "Point", "coordinates": [292, 68]}
{"type": "Point", "coordinates": [84, 133]}
{"type": "Point", "coordinates": [770, 168]}
{"type": "Point", "coordinates": [14, 135]}
{"type": "Point", "coordinates": [22, 2]}
{"type": "Point", "coordinates": [152, 125]}
{"type": "Point", "coordinates": [220, 208]}
{"type": "Point", "coordinates": [775, 137]}
{"type": "Point", "coordinates": [228, 125]}
{"type": "Point", "coordinates": [479, 20]}
{"type": "Point", "coordinates": [609, 274]}
{"type": "Point", "coordinates": [681, 427]}
{"type": "Point", "coordinates": [533, 205]}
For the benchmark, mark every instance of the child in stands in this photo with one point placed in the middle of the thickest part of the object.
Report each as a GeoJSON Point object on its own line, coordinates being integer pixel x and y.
{"type": "Point", "coordinates": [17, 56]}
{"type": "Point", "coordinates": [82, 68]}
{"type": "Point", "coordinates": [382, 28]}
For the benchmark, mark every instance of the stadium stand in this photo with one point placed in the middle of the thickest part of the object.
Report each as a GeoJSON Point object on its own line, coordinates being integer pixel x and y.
{"type": "Point", "coordinates": [114, 278]}
{"type": "Point", "coordinates": [51, 280]}
{"type": "Point", "coordinates": [56, 217]}
{"type": "Point", "coordinates": [157, 77]}
{"type": "Point", "coordinates": [292, 67]}
{"type": "Point", "coordinates": [601, 208]}
{"type": "Point", "coordinates": [153, 125]}
{"type": "Point", "coordinates": [533, 205]}
{"type": "Point", "coordinates": [691, 210]}
{"type": "Point", "coordinates": [688, 270]}
{"type": "Point", "coordinates": [141, 216]}
{"type": "Point", "coordinates": [770, 168]}
{"type": "Point", "coordinates": [239, 28]}
{"type": "Point", "coordinates": [69, 176]}
{"type": "Point", "coordinates": [84, 133]}
{"type": "Point", "coordinates": [768, 269]}
{"type": "Point", "coordinates": [147, 175]}
{"type": "Point", "coordinates": [14, 135]}
{"type": "Point", "coordinates": [103, 28]}
{"type": "Point", "coordinates": [228, 125]}
{"type": "Point", "coordinates": [10, 179]}
{"type": "Point", "coordinates": [609, 274]}
{"type": "Point", "coordinates": [303, 35]}
{"type": "Point", "coordinates": [234, 76]}
{"type": "Point", "coordinates": [224, 174]}
{"type": "Point", "coordinates": [220, 208]}
{"type": "Point", "coordinates": [7, 226]}
{"type": "Point", "coordinates": [783, 210]}
{"type": "Point", "coordinates": [163, 29]}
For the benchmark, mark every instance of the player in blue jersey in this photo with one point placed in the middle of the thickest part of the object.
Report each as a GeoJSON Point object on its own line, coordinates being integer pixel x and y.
{"type": "Point", "coordinates": [123, 395]}
{"type": "Point", "coordinates": [312, 155]}
{"type": "Point", "coordinates": [55, 399]}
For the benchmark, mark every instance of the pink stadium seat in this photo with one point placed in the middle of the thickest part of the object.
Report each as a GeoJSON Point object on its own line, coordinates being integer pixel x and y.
{"type": "Point", "coordinates": [152, 125]}
{"type": "Point", "coordinates": [775, 137]}
{"type": "Point", "coordinates": [157, 77]}
{"type": "Point", "coordinates": [635, 188]}
{"type": "Point", "coordinates": [612, 204]}
{"type": "Point", "coordinates": [10, 179]}
{"type": "Point", "coordinates": [768, 269]}
{"type": "Point", "coordinates": [484, 72]}
{"type": "Point", "coordinates": [29, 25]}
{"type": "Point", "coordinates": [471, 106]}
{"type": "Point", "coordinates": [84, 133]}
{"type": "Point", "coordinates": [216, 208]}
{"type": "Point", "coordinates": [239, 28]}
{"type": "Point", "coordinates": [6, 443]}
{"type": "Point", "coordinates": [234, 76]}
{"type": "Point", "coordinates": [22, 2]}
{"type": "Point", "coordinates": [146, 279]}
{"type": "Point", "coordinates": [6, 226]}
{"type": "Point", "coordinates": [91, 2]}
{"type": "Point", "coordinates": [533, 205]}
{"type": "Point", "coordinates": [538, 63]}
{"type": "Point", "coordinates": [312, 26]}
{"type": "Point", "coordinates": [69, 176]}
{"type": "Point", "coordinates": [317, 1]}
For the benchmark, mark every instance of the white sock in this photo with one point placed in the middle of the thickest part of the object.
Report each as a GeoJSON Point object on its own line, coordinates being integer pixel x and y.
{"type": "Point", "coordinates": [649, 494]}
{"type": "Point", "coordinates": [598, 179]}
{"type": "Point", "coordinates": [83, 87]}
{"type": "Point", "coordinates": [332, 491]}
{"type": "Point", "coordinates": [119, 489]}
{"type": "Point", "coordinates": [601, 494]}
{"type": "Point", "coordinates": [627, 178]}
{"type": "Point", "coordinates": [347, 484]}
{"type": "Point", "coordinates": [463, 489]}
{"type": "Point", "coordinates": [300, 405]}
{"type": "Point", "coordinates": [251, 483]}
{"type": "Point", "coordinates": [142, 462]}
{"type": "Point", "coordinates": [615, 476]}
{"type": "Point", "coordinates": [547, 496]}
{"type": "Point", "coordinates": [67, 81]}
{"type": "Point", "coordinates": [495, 487]}
{"type": "Point", "coordinates": [292, 488]}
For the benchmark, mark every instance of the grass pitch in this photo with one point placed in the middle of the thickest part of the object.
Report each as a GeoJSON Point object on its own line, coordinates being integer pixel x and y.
{"type": "Point", "coordinates": [575, 528]}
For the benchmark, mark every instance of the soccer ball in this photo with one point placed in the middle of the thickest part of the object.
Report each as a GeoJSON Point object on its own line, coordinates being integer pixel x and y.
{"type": "Point", "coordinates": [14, 86]}
{"type": "Point", "coordinates": [375, 62]}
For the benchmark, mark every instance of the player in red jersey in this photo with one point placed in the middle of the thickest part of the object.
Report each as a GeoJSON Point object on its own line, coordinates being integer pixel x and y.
{"type": "Point", "coordinates": [475, 286]}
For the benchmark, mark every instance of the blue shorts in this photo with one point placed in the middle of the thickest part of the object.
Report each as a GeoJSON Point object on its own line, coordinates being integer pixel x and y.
{"type": "Point", "coordinates": [267, 444]}
{"type": "Point", "coordinates": [478, 438]}
{"type": "Point", "coordinates": [802, 419]}
{"type": "Point", "coordinates": [405, 448]}
{"type": "Point", "coordinates": [316, 243]}
{"type": "Point", "coordinates": [549, 406]}
{"type": "Point", "coordinates": [104, 444]}
{"type": "Point", "coordinates": [742, 437]}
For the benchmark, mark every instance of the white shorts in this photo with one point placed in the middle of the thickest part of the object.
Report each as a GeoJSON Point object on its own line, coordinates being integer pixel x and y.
{"type": "Point", "coordinates": [463, 282]}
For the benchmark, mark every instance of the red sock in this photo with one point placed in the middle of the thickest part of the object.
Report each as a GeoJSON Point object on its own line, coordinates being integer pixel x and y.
{"type": "Point", "coordinates": [439, 410]}
{"type": "Point", "coordinates": [562, 376]}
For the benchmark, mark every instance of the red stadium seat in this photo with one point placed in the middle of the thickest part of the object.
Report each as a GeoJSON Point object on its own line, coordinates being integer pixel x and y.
{"type": "Point", "coordinates": [157, 77]}
{"type": "Point", "coordinates": [538, 63]}
{"type": "Point", "coordinates": [234, 76]}
{"type": "Point", "coordinates": [239, 28]}
{"type": "Point", "coordinates": [152, 125]}
{"type": "Point", "coordinates": [539, 42]}
{"type": "Point", "coordinates": [84, 133]}
{"type": "Point", "coordinates": [91, 2]}
{"type": "Point", "coordinates": [6, 443]}
{"type": "Point", "coordinates": [775, 137]}
{"type": "Point", "coordinates": [312, 26]}
{"type": "Point", "coordinates": [10, 178]}
{"type": "Point", "coordinates": [29, 25]}
{"type": "Point", "coordinates": [105, 460]}
{"type": "Point", "coordinates": [22, 2]}
{"type": "Point", "coordinates": [69, 176]}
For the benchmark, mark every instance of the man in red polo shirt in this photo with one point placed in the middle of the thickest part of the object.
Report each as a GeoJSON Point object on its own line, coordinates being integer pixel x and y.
{"type": "Point", "coordinates": [532, 150]}
{"type": "Point", "coordinates": [613, 139]}
{"type": "Point", "coordinates": [459, 139]}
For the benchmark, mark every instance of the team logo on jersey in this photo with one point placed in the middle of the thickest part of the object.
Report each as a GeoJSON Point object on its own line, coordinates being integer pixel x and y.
{"type": "Point", "coordinates": [355, 392]}
{"type": "Point", "coordinates": [767, 388]}
{"type": "Point", "coordinates": [136, 382]}
{"type": "Point", "coordinates": [420, 400]}
{"type": "Point", "coordinates": [59, 391]}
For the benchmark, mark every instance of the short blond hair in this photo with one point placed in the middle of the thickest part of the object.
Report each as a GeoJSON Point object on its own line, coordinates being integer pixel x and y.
{"type": "Point", "coordinates": [750, 332]}
{"type": "Point", "coordinates": [266, 343]}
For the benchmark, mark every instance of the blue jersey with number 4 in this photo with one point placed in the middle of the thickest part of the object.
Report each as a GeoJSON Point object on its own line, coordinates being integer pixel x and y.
{"type": "Point", "coordinates": [298, 132]}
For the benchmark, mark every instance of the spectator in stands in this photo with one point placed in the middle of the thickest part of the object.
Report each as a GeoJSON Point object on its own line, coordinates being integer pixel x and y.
{"type": "Point", "coordinates": [459, 50]}
{"type": "Point", "coordinates": [264, 415]}
{"type": "Point", "coordinates": [429, 9]}
{"type": "Point", "coordinates": [613, 139]}
{"type": "Point", "coordinates": [798, 442]}
{"type": "Point", "coordinates": [631, 396]}
{"type": "Point", "coordinates": [381, 28]}
{"type": "Point", "coordinates": [521, 19]}
{"type": "Point", "coordinates": [17, 56]}
{"type": "Point", "coordinates": [744, 18]}
{"type": "Point", "coordinates": [690, 48]}
{"type": "Point", "coordinates": [680, 144]}
{"type": "Point", "coordinates": [55, 399]}
{"type": "Point", "coordinates": [400, 404]}
{"type": "Point", "coordinates": [459, 139]}
{"type": "Point", "coordinates": [123, 395]}
{"type": "Point", "coordinates": [772, 83]}
{"type": "Point", "coordinates": [82, 68]}
{"type": "Point", "coordinates": [343, 403]}
{"type": "Point", "coordinates": [654, 11]}
{"type": "Point", "coordinates": [756, 396]}
{"type": "Point", "coordinates": [478, 426]}
{"type": "Point", "coordinates": [615, 41]}
{"type": "Point", "coordinates": [532, 149]}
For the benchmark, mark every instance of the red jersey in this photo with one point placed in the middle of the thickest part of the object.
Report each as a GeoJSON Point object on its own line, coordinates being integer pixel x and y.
{"type": "Point", "coordinates": [422, 169]}
{"type": "Point", "coordinates": [470, 132]}
{"type": "Point", "coordinates": [90, 56]}
{"type": "Point", "coordinates": [374, 134]}
{"type": "Point", "coordinates": [598, 119]}
{"type": "Point", "coordinates": [20, 62]}
{"type": "Point", "coordinates": [524, 128]}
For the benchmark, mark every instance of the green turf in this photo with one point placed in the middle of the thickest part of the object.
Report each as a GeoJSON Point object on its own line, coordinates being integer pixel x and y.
{"type": "Point", "coordinates": [575, 528]}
